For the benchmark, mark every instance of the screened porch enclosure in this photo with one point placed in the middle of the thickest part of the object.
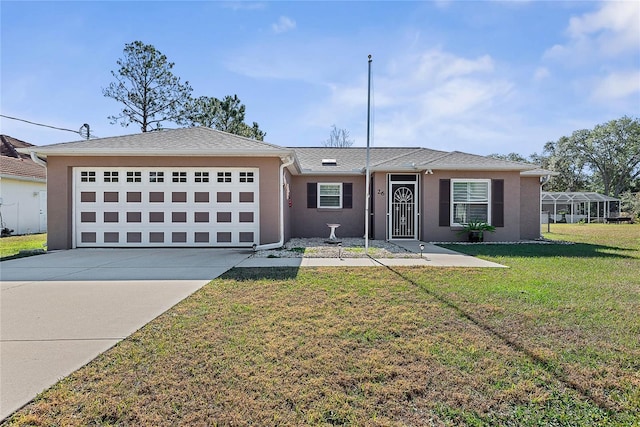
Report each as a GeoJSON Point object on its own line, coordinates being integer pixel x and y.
{"type": "Point", "coordinates": [573, 207]}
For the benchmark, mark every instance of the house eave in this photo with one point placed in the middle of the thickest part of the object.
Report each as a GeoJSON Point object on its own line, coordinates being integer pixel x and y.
{"type": "Point", "coordinates": [23, 178]}
{"type": "Point", "coordinates": [479, 168]}
{"type": "Point", "coordinates": [164, 153]}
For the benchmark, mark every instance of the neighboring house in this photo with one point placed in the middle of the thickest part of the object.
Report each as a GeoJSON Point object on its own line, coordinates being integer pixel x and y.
{"type": "Point", "coordinates": [202, 187]}
{"type": "Point", "coordinates": [23, 189]}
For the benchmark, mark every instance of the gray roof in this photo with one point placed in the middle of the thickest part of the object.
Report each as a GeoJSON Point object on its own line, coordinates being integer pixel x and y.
{"type": "Point", "coordinates": [457, 160]}
{"type": "Point", "coordinates": [173, 142]}
{"type": "Point", "coordinates": [203, 141]}
{"type": "Point", "coordinates": [353, 160]}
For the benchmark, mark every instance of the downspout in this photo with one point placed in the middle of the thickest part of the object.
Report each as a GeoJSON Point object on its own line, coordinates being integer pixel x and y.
{"type": "Point", "coordinates": [543, 181]}
{"type": "Point", "coordinates": [37, 159]}
{"type": "Point", "coordinates": [288, 162]}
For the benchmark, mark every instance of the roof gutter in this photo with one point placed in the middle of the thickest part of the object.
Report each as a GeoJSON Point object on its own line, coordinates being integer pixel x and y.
{"type": "Point", "coordinates": [37, 160]}
{"type": "Point", "coordinates": [165, 153]}
{"type": "Point", "coordinates": [287, 162]}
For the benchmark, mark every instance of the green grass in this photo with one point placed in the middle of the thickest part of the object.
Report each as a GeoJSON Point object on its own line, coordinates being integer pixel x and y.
{"type": "Point", "coordinates": [553, 340]}
{"type": "Point", "coordinates": [11, 246]}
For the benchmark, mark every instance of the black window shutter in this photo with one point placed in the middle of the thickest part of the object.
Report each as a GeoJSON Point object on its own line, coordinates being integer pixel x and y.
{"type": "Point", "coordinates": [347, 195]}
{"type": "Point", "coordinates": [445, 202]}
{"type": "Point", "coordinates": [312, 195]}
{"type": "Point", "coordinates": [497, 202]}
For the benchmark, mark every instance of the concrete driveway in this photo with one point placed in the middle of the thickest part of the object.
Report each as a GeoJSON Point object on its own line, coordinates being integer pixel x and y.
{"type": "Point", "coordinates": [60, 310]}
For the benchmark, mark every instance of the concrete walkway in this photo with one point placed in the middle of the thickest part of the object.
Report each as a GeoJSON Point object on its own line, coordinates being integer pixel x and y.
{"type": "Point", "coordinates": [433, 256]}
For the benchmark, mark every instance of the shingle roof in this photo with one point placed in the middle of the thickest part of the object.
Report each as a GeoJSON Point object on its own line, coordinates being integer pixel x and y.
{"type": "Point", "coordinates": [21, 167]}
{"type": "Point", "coordinates": [458, 160]}
{"type": "Point", "coordinates": [9, 144]}
{"type": "Point", "coordinates": [206, 141]}
{"type": "Point", "coordinates": [348, 160]}
{"type": "Point", "coordinates": [173, 142]}
{"type": "Point", "coordinates": [353, 160]}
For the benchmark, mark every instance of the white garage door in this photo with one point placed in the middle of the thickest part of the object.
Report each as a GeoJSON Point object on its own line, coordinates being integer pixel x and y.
{"type": "Point", "coordinates": [147, 207]}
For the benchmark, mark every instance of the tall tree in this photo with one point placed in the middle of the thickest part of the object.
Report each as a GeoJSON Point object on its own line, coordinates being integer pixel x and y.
{"type": "Point", "coordinates": [612, 151]}
{"type": "Point", "coordinates": [338, 138]}
{"type": "Point", "coordinates": [559, 156]}
{"type": "Point", "coordinates": [150, 92]}
{"type": "Point", "coordinates": [227, 115]}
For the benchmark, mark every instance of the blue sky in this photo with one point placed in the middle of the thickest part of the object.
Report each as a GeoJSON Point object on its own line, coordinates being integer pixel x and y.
{"type": "Point", "coordinates": [476, 76]}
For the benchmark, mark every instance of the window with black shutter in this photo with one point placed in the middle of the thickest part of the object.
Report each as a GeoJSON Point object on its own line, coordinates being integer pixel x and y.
{"type": "Point", "coordinates": [347, 195]}
{"type": "Point", "coordinates": [497, 202]}
{"type": "Point", "coordinates": [444, 214]}
{"type": "Point", "coordinates": [312, 195]}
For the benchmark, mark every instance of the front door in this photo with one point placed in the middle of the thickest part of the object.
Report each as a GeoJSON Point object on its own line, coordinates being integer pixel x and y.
{"type": "Point", "coordinates": [403, 203]}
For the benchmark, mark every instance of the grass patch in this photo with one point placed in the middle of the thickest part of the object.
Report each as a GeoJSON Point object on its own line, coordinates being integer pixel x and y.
{"type": "Point", "coordinates": [11, 246]}
{"type": "Point", "coordinates": [553, 340]}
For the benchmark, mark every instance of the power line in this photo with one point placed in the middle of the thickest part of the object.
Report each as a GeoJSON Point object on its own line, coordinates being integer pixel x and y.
{"type": "Point", "coordinates": [47, 126]}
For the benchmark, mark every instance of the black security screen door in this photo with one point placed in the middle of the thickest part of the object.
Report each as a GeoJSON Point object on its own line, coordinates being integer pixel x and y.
{"type": "Point", "coordinates": [403, 210]}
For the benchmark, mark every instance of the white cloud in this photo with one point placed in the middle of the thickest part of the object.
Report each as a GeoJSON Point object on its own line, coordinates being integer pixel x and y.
{"type": "Point", "coordinates": [425, 99]}
{"type": "Point", "coordinates": [284, 24]}
{"type": "Point", "coordinates": [617, 85]}
{"type": "Point", "coordinates": [612, 30]}
{"type": "Point", "coordinates": [541, 73]}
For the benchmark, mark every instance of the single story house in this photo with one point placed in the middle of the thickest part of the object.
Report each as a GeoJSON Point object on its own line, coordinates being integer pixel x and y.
{"type": "Point", "coordinates": [23, 189]}
{"type": "Point", "coordinates": [202, 187]}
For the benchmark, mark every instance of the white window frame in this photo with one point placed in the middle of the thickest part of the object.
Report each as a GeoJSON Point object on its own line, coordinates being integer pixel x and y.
{"type": "Point", "coordinates": [320, 195]}
{"type": "Point", "coordinates": [453, 202]}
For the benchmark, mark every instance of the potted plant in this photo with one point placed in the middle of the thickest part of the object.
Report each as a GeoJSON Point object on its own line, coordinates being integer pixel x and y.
{"type": "Point", "coordinates": [475, 230]}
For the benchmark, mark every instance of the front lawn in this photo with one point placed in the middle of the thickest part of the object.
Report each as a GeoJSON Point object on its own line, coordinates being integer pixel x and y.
{"type": "Point", "coordinates": [553, 340]}
{"type": "Point", "coordinates": [11, 246]}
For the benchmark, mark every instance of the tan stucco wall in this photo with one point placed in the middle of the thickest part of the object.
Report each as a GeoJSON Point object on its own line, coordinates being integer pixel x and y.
{"type": "Point", "coordinates": [431, 231]}
{"type": "Point", "coordinates": [307, 222]}
{"type": "Point", "coordinates": [379, 199]}
{"type": "Point", "coordinates": [530, 208]}
{"type": "Point", "coordinates": [60, 188]}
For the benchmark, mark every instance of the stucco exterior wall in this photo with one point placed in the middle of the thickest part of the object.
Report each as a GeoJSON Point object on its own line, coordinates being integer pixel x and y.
{"type": "Point", "coordinates": [431, 231]}
{"type": "Point", "coordinates": [379, 201]}
{"type": "Point", "coordinates": [60, 188]}
{"type": "Point", "coordinates": [20, 206]}
{"type": "Point", "coordinates": [530, 208]}
{"type": "Point", "coordinates": [312, 222]}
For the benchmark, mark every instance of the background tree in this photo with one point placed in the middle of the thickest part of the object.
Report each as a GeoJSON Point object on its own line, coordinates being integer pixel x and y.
{"type": "Point", "coordinates": [512, 157]}
{"type": "Point", "coordinates": [559, 157]}
{"type": "Point", "coordinates": [605, 159]}
{"type": "Point", "coordinates": [227, 115]}
{"type": "Point", "coordinates": [338, 138]}
{"type": "Point", "coordinates": [631, 204]}
{"type": "Point", "coordinates": [612, 151]}
{"type": "Point", "coordinates": [151, 94]}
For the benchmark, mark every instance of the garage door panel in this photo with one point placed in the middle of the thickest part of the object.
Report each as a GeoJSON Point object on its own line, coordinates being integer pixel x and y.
{"type": "Point", "coordinates": [166, 207]}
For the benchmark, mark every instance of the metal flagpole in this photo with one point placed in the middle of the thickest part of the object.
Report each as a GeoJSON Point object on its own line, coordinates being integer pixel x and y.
{"type": "Point", "coordinates": [367, 179]}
